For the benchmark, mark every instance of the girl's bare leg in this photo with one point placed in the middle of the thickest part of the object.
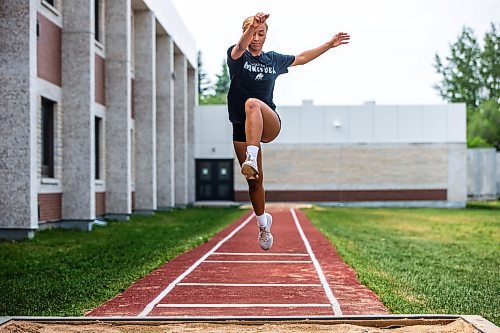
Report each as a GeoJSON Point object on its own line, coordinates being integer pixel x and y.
{"type": "Point", "coordinates": [257, 196]}
{"type": "Point", "coordinates": [255, 186]}
{"type": "Point", "coordinates": [262, 123]}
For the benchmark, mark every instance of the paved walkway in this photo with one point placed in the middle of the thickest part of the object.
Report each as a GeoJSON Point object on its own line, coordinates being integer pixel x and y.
{"type": "Point", "coordinates": [302, 275]}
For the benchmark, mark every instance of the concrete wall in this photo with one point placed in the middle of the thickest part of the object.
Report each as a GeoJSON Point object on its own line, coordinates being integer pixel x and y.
{"type": "Point", "coordinates": [145, 114]}
{"type": "Point", "coordinates": [213, 136]}
{"type": "Point", "coordinates": [482, 173]}
{"type": "Point", "coordinates": [181, 130]}
{"type": "Point", "coordinates": [118, 167]}
{"type": "Point", "coordinates": [78, 99]}
{"type": "Point", "coordinates": [363, 124]}
{"type": "Point", "coordinates": [457, 172]}
{"type": "Point", "coordinates": [18, 186]}
{"type": "Point", "coordinates": [165, 121]}
{"type": "Point", "coordinates": [353, 153]}
{"type": "Point", "coordinates": [192, 96]}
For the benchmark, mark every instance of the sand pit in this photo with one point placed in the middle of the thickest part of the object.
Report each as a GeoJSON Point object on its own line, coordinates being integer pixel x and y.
{"type": "Point", "coordinates": [455, 326]}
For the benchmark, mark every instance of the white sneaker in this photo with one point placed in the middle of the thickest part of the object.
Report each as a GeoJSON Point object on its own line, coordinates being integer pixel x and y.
{"type": "Point", "coordinates": [249, 168]}
{"type": "Point", "coordinates": [265, 236]}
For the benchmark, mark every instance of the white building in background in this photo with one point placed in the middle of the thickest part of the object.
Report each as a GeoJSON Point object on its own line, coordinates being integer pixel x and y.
{"type": "Point", "coordinates": [97, 112]}
{"type": "Point", "coordinates": [357, 154]}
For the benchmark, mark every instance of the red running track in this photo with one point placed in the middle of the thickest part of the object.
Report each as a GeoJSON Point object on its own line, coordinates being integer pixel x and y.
{"type": "Point", "coordinates": [230, 275]}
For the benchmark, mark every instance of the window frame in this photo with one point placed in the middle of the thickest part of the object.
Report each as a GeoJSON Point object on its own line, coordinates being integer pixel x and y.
{"type": "Point", "coordinates": [97, 147]}
{"type": "Point", "coordinates": [48, 108]}
{"type": "Point", "coordinates": [99, 23]}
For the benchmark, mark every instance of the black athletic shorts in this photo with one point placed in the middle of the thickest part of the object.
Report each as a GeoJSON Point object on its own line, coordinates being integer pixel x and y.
{"type": "Point", "coordinates": [239, 131]}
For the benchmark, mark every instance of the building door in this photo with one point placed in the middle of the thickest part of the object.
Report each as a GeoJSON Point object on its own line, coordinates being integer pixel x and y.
{"type": "Point", "coordinates": [214, 180]}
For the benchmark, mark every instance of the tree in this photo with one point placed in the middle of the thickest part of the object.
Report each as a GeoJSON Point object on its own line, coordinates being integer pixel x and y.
{"type": "Point", "coordinates": [218, 94]}
{"type": "Point", "coordinates": [204, 84]}
{"type": "Point", "coordinates": [472, 75]}
{"type": "Point", "coordinates": [223, 81]}
{"type": "Point", "coordinates": [461, 75]}
{"type": "Point", "coordinates": [490, 65]}
{"type": "Point", "coordinates": [215, 99]}
{"type": "Point", "coordinates": [483, 125]}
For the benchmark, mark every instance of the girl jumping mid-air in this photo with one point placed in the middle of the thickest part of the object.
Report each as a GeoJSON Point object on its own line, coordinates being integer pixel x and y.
{"type": "Point", "coordinates": [251, 108]}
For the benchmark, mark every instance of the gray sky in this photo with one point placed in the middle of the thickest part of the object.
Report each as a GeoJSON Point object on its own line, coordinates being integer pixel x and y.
{"type": "Point", "coordinates": [389, 59]}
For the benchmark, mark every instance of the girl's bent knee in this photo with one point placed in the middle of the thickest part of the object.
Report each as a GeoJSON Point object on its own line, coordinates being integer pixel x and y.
{"type": "Point", "coordinates": [251, 104]}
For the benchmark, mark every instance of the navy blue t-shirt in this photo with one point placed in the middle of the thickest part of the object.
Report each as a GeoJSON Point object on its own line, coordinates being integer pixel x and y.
{"type": "Point", "coordinates": [253, 77]}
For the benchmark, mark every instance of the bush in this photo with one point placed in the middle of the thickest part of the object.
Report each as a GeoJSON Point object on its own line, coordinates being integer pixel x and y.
{"type": "Point", "coordinates": [483, 125]}
{"type": "Point", "coordinates": [477, 142]}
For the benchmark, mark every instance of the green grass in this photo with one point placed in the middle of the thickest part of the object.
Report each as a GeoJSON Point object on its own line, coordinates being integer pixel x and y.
{"type": "Point", "coordinates": [494, 204]}
{"type": "Point", "coordinates": [67, 272]}
{"type": "Point", "coordinates": [443, 261]}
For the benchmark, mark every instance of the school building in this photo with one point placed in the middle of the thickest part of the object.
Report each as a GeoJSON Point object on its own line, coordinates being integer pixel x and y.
{"type": "Point", "coordinates": [380, 155]}
{"type": "Point", "coordinates": [97, 112]}
{"type": "Point", "coordinates": [100, 119]}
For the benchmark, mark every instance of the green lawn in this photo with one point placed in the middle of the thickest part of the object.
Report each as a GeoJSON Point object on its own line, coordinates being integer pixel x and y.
{"type": "Point", "coordinates": [63, 272]}
{"type": "Point", "coordinates": [422, 260]}
{"type": "Point", "coordinates": [416, 260]}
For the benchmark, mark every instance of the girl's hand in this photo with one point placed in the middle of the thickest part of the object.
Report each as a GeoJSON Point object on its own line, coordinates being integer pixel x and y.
{"type": "Point", "coordinates": [339, 39]}
{"type": "Point", "coordinates": [259, 18]}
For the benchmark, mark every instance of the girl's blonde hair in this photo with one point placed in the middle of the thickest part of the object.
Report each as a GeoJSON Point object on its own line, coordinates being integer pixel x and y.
{"type": "Point", "coordinates": [248, 22]}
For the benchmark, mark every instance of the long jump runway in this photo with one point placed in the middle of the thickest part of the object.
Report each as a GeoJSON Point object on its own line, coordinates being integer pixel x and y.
{"type": "Point", "coordinates": [230, 275]}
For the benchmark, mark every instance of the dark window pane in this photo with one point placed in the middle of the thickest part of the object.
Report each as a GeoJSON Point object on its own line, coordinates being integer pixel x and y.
{"type": "Point", "coordinates": [97, 128]}
{"type": "Point", "coordinates": [224, 170]}
{"type": "Point", "coordinates": [47, 138]}
{"type": "Point", "coordinates": [96, 20]}
{"type": "Point", "coordinates": [223, 174]}
{"type": "Point", "coordinates": [205, 171]}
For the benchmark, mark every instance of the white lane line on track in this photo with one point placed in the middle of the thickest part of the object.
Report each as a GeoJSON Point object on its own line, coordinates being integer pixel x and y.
{"type": "Point", "coordinates": [183, 305]}
{"type": "Point", "coordinates": [260, 261]}
{"type": "Point", "coordinates": [261, 254]}
{"type": "Point", "coordinates": [171, 286]}
{"type": "Point", "coordinates": [333, 301]}
{"type": "Point", "coordinates": [250, 284]}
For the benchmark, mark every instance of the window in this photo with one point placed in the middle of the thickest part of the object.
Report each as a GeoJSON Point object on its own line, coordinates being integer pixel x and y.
{"type": "Point", "coordinates": [132, 45]}
{"type": "Point", "coordinates": [47, 138]}
{"type": "Point", "coordinates": [53, 6]}
{"type": "Point", "coordinates": [97, 127]}
{"type": "Point", "coordinates": [99, 20]}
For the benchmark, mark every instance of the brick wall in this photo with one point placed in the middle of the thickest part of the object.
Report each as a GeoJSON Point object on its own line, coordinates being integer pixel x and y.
{"type": "Point", "coordinates": [48, 50]}
{"type": "Point", "coordinates": [49, 206]}
{"type": "Point", "coordinates": [100, 203]}
{"type": "Point", "coordinates": [100, 96]}
{"type": "Point", "coordinates": [349, 195]}
{"type": "Point", "coordinates": [376, 169]}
